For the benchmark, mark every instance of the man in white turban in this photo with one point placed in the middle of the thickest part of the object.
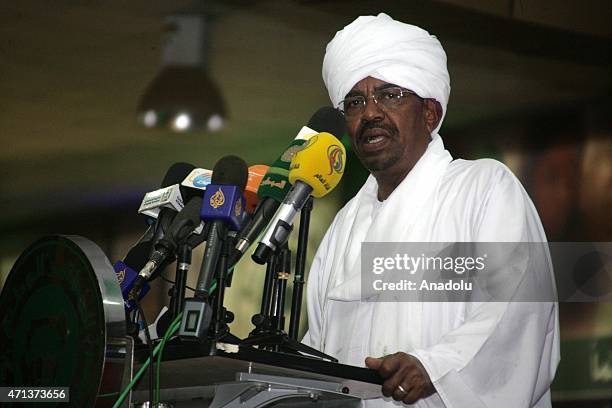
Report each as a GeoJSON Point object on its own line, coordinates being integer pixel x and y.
{"type": "Point", "coordinates": [391, 81]}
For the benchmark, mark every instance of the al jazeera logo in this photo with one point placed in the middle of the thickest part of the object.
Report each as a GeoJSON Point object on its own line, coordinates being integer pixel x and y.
{"type": "Point", "coordinates": [336, 159]}
{"type": "Point", "coordinates": [121, 276]}
{"type": "Point", "coordinates": [217, 199]}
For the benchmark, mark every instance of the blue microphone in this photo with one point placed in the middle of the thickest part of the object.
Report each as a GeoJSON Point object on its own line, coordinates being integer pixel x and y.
{"type": "Point", "coordinates": [223, 203]}
{"type": "Point", "coordinates": [127, 278]}
{"type": "Point", "coordinates": [222, 209]}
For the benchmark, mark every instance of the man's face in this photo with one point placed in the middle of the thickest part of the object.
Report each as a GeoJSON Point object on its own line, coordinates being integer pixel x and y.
{"type": "Point", "coordinates": [389, 142]}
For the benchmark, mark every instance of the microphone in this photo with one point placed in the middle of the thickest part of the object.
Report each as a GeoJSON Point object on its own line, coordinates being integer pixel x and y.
{"type": "Point", "coordinates": [222, 210]}
{"type": "Point", "coordinates": [201, 178]}
{"type": "Point", "coordinates": [138, 254]}
{"type": "Point", "coordinates": [126, 270]}
{"type": "Point", "coordinates": [182, 226]}
{"type": "Point", "coordinates": [127, 278]}
{"type": "Point", "coordinates": [185, 222]}
{"type": "Point", "coordinates": [162, 207]}
{"type": "Point", "coordinates": [174, 174]}
{"type": "Point", "coordinates": [275, 185]}
{"type": "Point", "coordinates": [256, 175]}
{"type": "Point", "coordinates": [154, 201]}
{"type": "Point", "coordinates": [198, 178]}
{"type": "Point", "coordinates": [170, 195]}
{"type": "Point", "coordinates": [315, 170]}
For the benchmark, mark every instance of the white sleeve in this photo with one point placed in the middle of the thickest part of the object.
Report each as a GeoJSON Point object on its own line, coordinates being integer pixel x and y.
{"type": "Point", "coordinates": [504, 354]}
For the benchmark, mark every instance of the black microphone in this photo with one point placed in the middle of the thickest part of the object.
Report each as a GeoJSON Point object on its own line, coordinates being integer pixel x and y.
{"type": "Point", "coordinates": [139, 253]}
{"type": "Point", "coordinates": [179, 230]}
{"type": "Point", "coordinates": [175, 175]}
{"type": "Point", "coordinates": [229, 179]}
{"type": "Point", "coordinates": [222, 210]}
{"type": "Point", "coordinates": [162, 210]}
{"type": "Point", "coordinates": [275, 185]}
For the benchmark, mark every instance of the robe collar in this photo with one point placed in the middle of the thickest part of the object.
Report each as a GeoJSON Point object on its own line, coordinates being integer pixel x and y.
{"type": "Point", "coordinates": [394, 220]}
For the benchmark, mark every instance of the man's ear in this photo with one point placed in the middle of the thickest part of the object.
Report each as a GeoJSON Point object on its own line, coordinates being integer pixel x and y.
{"type": "Point", "coordinates": [433, 114]}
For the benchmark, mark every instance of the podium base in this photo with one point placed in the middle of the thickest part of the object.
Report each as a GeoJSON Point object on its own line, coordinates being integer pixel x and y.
{"type": "Point", "coordinates": [255, 390]}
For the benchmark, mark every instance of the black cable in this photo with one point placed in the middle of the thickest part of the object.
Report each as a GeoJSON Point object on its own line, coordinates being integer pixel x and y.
{"type": "Point", "coordinates": [172, 282]}
{"type": "Point", "coordinates": [150, 344]}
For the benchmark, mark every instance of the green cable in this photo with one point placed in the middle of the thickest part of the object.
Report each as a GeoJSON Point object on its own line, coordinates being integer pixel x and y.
{"type": "Point", "coordinates": [127, 389]}
{"type": "Point", "coordinates": [173, 328]}
{"type": "Point", "coordinates": [142, 369]}
{"type": "Point", "coordinates": [157, 351]}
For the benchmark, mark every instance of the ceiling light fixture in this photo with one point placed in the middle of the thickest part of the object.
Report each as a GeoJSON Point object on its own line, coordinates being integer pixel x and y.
{"type": "Point", "coordinates": [183, 97]}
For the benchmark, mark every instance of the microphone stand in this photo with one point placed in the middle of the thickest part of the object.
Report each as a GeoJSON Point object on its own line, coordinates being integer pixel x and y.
{"type": "Point", "coordinates": [183, 263]}
{"type": "Point", "coordinates": [262, 321]}
{"type": "Point", "coordinates": [177, 292]}
{"type": "Point", "coordinates": [222, 316]}
{"type": "Point", "coordinates": [280, 288]}
{"type": "Point", "coordinates": [300, 266]}
{"type": "Point", "coordinates": [269, 331]}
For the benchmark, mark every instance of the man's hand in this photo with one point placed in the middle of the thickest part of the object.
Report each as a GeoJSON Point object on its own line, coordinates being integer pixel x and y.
{"type": "Point", "coordinates": [406, 378]}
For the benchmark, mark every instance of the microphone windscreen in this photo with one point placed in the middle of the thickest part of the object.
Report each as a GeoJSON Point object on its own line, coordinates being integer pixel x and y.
{"type": "Point", "coordinates": [138, 255]}
{"type": "Point", "coordinates": [177, 173]}
{"type": "Point", "coordinates": [330, 120]}
{"type": "Point", "coordinates": [189, 193]}
{"type": "Point", "coordinates": [230, 170]}
{"type": "Point", "coordinates": [186, 220]}
{"type": "Point", "coordinates": [320, 164]}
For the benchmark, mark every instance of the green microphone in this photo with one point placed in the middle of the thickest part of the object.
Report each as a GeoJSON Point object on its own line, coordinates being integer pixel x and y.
{"type": "Point", "coordinates": [275, 184]}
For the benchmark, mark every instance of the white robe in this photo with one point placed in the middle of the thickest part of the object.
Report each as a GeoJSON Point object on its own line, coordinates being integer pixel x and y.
{"type": "Point", "coordinates": [501, 354]}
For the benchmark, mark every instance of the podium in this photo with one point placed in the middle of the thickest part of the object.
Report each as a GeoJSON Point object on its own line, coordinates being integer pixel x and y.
{"type": "Point", "coordinates": [253, 378]}
{"type": "Point", "coordinates": [63, 324]}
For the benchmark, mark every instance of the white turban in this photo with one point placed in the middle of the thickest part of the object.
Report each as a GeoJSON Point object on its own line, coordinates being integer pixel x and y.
{"type": "Point", "coordinates": [391, 51]}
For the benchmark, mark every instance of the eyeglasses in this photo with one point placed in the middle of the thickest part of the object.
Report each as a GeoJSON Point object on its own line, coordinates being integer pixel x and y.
{"type": "Point", "coordinates": [387, 98]}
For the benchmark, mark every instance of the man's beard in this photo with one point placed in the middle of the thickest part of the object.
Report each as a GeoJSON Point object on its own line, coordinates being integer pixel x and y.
{"type": "Point", "coordinates": [375, 163]}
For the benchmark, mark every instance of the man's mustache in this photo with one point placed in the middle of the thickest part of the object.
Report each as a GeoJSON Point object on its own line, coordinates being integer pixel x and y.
{"type": "Point", "coordinates": [392, 130]}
